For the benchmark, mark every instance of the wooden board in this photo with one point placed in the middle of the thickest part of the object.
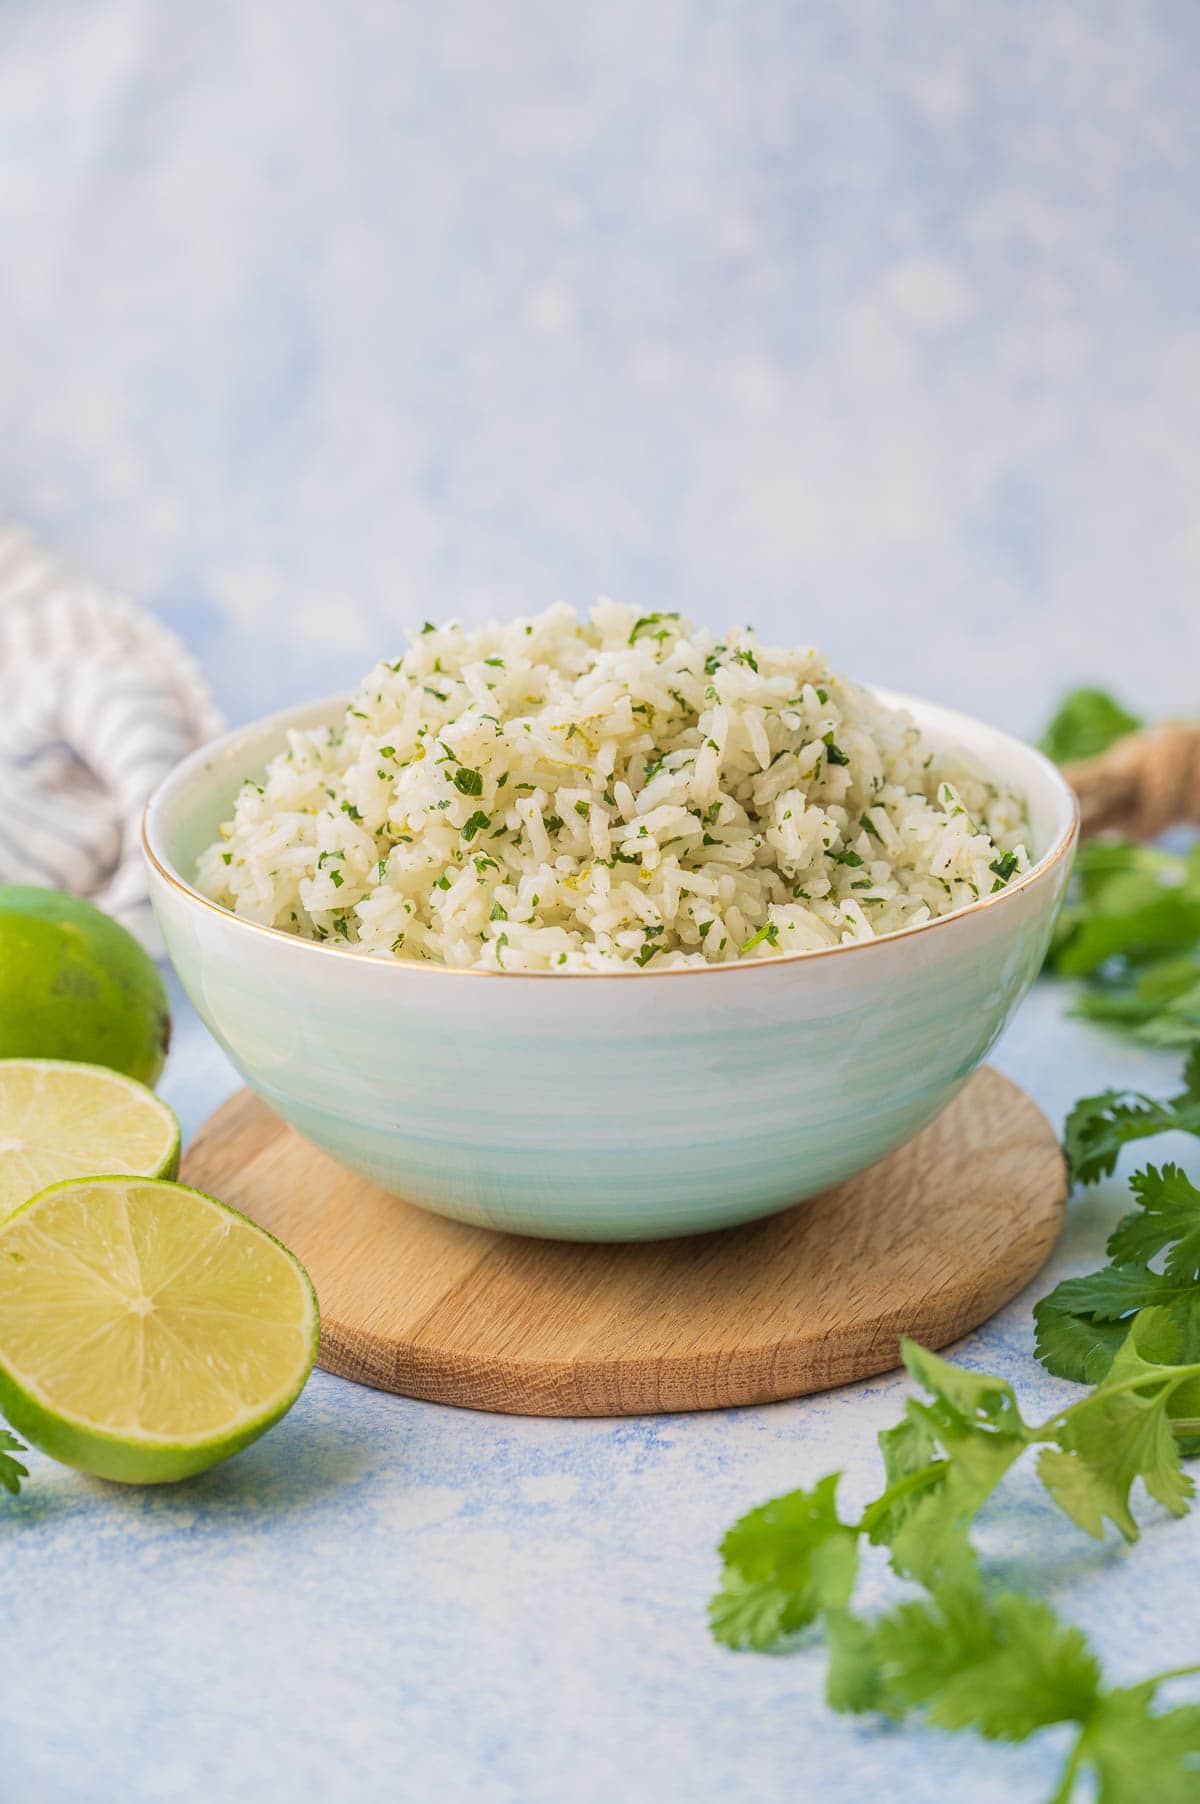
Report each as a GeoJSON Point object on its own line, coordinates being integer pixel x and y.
{"type": "Point", "coordinates": [930, 1243]}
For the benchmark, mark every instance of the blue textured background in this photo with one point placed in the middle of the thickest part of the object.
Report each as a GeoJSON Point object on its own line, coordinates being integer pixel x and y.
{"type": "Point", "coordinates": [872, 322]}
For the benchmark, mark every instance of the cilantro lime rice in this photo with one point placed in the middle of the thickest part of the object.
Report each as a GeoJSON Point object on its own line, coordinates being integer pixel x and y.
{"type": "Point", "coordinates": [627, 792]}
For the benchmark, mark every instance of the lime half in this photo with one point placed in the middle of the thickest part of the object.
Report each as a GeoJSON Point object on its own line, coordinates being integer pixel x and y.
{"type": "Point", "coordinates": [146, 1330]}
{"type": "Point", "coordinates": [63, 1120]}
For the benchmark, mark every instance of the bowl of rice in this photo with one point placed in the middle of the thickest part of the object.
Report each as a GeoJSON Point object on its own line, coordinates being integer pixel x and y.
{"type": "Point", "coordinates": [609, 928]}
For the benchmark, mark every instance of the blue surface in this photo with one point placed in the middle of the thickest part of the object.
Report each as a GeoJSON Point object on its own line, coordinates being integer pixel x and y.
{"type": "Point", "coordinates": [391, 1600]}
{"type": "Point", "coordinates": [873, 322]}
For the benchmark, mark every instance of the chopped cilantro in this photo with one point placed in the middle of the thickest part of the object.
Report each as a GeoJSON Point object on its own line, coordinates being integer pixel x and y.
{"type": "Point", "coordinates": [468, 782]}
{"type": "Point", "coordinates": [646, 625]}
{"type": "Point", "coordinates": [769, 933]}
{"type": "Point", "coordinates": [1004, 866]}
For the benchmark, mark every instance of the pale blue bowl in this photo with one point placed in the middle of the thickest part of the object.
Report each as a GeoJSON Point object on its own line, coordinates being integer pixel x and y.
{"type": "Point", "coordinates": [598, 1107]}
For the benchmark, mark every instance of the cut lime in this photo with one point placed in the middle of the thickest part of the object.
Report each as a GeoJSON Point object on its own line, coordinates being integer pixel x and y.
{"type": "Point", "coordinates": [146, 1330]}
{"type": "Point", "coordinates": [62, 1120]}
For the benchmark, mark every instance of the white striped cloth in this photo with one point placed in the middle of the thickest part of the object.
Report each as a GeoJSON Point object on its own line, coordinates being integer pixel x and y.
{"type": "Point", "coordinates": [98, 702]}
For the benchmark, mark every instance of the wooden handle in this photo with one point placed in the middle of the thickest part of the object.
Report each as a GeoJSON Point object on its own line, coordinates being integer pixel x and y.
{"type": "Point", "coordinates": [1143, 784]}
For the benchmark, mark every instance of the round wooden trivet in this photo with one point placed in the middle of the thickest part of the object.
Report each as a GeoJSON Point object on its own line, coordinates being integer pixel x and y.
{"type": "Point", "coordinates": [930, 1243]}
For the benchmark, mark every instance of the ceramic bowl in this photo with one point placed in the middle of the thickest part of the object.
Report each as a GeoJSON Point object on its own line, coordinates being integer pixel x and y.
{"type": "Point", "coordinates": [597, 1106]}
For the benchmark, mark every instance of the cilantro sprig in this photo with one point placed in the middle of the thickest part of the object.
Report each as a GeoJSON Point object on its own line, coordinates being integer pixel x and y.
{"type": "Point", "coordinates": [999, 1663]}
{"type": "Point", "coordinates": [1083, 1322]}
{"type": "Point", "coordinates": [1099, 1126]}
{"type": "Point", "coordinates": [1131, 932]}
{"type": "Point", "coordinates": [1006, 1666]}
{"type": "Point", "coordinates": [1131, 903]}
{"type": "Point", "coordinates": [1131, 927]}
{"type": "Point", "coordinates": [11, 1469]}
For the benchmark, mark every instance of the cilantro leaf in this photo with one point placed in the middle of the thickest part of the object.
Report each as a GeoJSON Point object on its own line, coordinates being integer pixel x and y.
{"type": "Point", "coordinates": [1004, 1666]}
{"type": "Point", "coordinates": [784, 1563]}
{"type": "Point", "coordinates": [854, 1679]}
{"type": "Point", "coordinates": [1099, 1126]}
{"type": "Point", "coordinates": [1086, 722]}
{"type": "Point", "coordinates": [1115, 1441]}
{"type": "Point", "coordinates": [963, 1401]}
{"type": "Point", "coordinates": [1139, 1754]}
{"type": "Point", "coordinates": [943, 1462]}
{"type": "Point", "coordinates": [1130, 908]}
{"type": "Point", "coordinates": [1167, 922]}
{"type": "Point", "coordinates": [1122, 1432]}
{"type": "Point", "coordinates": [1117, 1291]}
{"type": "Point", "coordinates": [1083, 1321]}
{"type": "Point", "coordinates": [11, 1469]}
{"type": "Point", "coordinates": [912, 1464]}
{"type": "Point", "coordinates": [1169, 1218]}
{"type": "Point", "coordinates": [1158, 1004]}
{"type": "Point", "coordinates": [1076, 1346]}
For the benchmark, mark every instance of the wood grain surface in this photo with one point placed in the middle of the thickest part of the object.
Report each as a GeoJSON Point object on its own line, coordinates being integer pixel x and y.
{"type": "Point", "coordinates": [930, 1243]}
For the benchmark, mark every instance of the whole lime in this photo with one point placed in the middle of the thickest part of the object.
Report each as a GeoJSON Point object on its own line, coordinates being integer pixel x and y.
{"type": "Point", "coordinates": [75, 985]}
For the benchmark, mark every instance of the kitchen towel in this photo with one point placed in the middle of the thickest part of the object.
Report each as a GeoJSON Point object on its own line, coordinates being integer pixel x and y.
{"type": "Point", "coordinates": [97, 702]}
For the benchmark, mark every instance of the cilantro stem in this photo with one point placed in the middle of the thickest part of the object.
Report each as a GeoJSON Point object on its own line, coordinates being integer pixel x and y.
{"type": "Point", "coordinates": [1174, 1672]}
{"type": "Point", "coordinates": [1066, 1785]}
{"type": "Point", "coordinates": [1158, 1377]}
{"type": "Point", "coordinates": [920, 1480]}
